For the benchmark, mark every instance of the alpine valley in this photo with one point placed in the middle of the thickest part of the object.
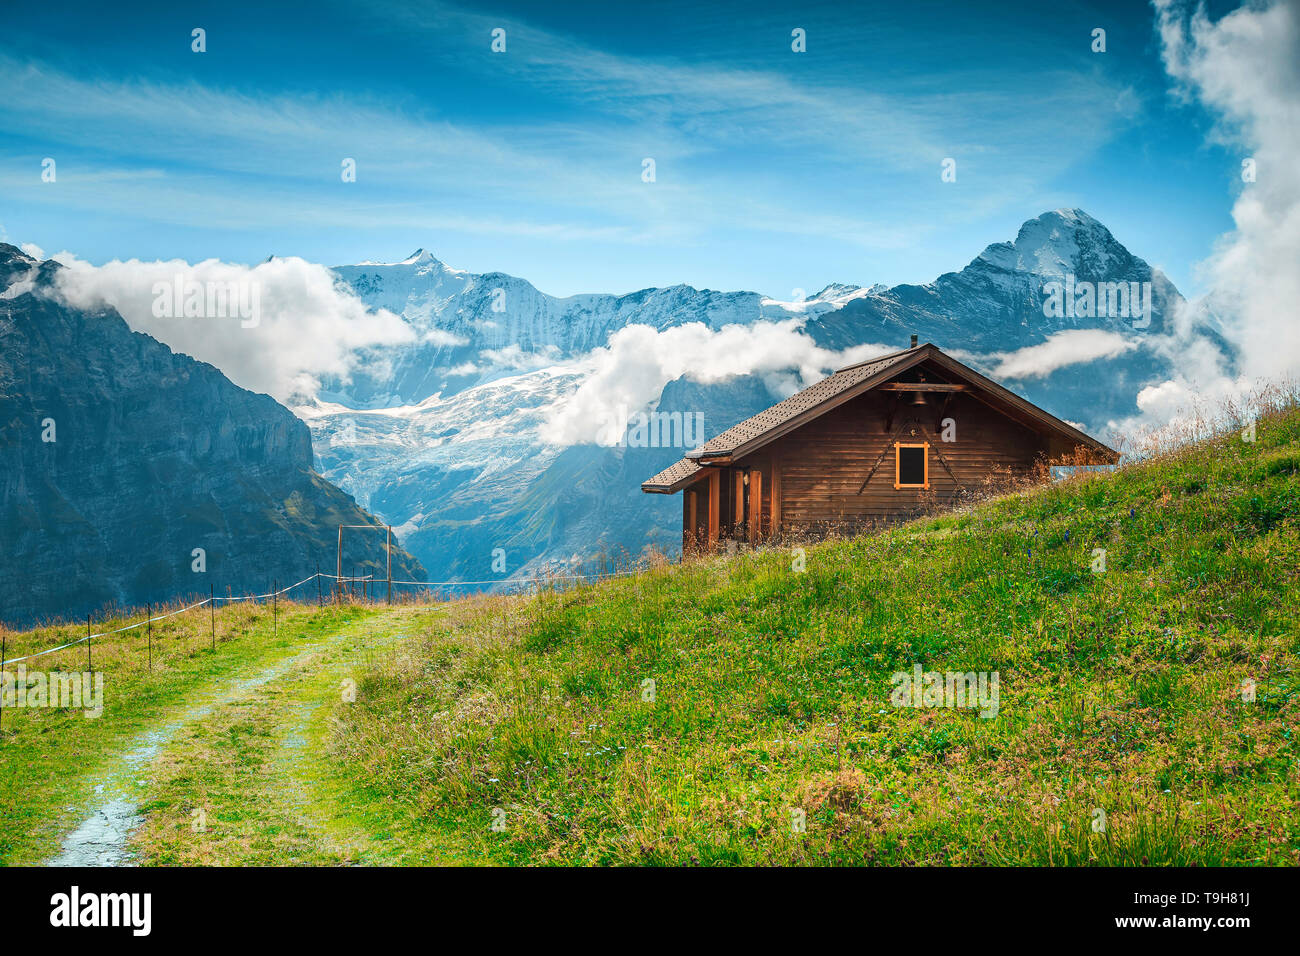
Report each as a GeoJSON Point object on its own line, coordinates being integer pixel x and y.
{"type": "Point", "coordinates": [491, 440]}
{"type": "Point", "coordinates": [451, 439]}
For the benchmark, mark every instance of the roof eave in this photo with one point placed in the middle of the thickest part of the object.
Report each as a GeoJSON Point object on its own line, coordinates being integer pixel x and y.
{"type": "Point", "coordinates": [671, 487]}
{"type": "Point", "coordinates": [811, 414]}
{"type": "Point", "coordinates": [1041, 415]}
{"type": "Point", "coordinates": [915, 355]}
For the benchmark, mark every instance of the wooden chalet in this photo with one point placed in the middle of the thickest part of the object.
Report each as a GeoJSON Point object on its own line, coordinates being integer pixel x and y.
{"type": "Point", "coordinates": [872, 443]}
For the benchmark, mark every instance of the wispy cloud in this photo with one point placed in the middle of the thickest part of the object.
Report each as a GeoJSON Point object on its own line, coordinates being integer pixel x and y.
{"type": "Point", "coordinates": [630, 372]}
{"type": "Point", "coordinates": [1061, 349]}
{"type": "Point", "coordinates": [720, 134]}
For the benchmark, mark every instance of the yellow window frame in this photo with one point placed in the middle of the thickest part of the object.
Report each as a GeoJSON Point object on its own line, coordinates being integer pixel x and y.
{"type": "Point", "coordinates": [898, 463]}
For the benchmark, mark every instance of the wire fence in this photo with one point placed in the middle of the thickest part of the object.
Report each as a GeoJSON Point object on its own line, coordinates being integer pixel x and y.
{"type": "Point", "coordinates": [340, 580]}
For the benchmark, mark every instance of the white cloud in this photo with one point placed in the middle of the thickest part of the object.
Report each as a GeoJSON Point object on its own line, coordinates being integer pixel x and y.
{"type": "Point", "coordinates": [308, 326]}
{"type": "Point", "coordinates": [1067, 347]}
{"type": "Point", "coordinates": [441, 337]}
{"type": "Point", "coordinates": [513, 357]}
{"type": "Point", "coordinates": [632, 370]}
{"type": "Point", "coordinates": [1244, 68]}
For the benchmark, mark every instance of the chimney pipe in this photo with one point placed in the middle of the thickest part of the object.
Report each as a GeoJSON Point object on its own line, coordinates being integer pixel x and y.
{"type": "Point", "coordinates": [913, 342]}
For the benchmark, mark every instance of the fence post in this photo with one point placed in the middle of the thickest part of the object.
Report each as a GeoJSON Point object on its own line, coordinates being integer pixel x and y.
{"type": "Point", "coordinates": [89, 640]}
{"type": "Point", "coordinates": [212, 614]}
{"type": "Point", "coordinates": [148, 629]}
{"type": "Point", "coordinates": [3, 638]}
{"type": "Point", "coordinates": [320, 594]}
{"type": "Point", "coordinates": [275, 609]}
{"type": "Point", "coordinates": [389, 550]}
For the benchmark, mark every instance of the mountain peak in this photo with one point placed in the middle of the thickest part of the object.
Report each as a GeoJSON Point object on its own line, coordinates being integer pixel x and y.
{"type": "Point", "coordinates": [1071, 214]}
{"type": "Point", "coordinates": [1058, 226]}
{"type": "Point", "coordinates": [11, 253]}
{"type": "Point", "coordinates": [419, 257]}
{"type": "Point", "coordinates": [422, 257]}
{"type": "Point", "coordinates": [15, 265]}
{"type": "Point", "coordinates": [1057, 242]}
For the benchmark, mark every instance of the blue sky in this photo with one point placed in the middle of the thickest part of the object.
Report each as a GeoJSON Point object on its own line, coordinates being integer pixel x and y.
{"type": "Point", "coordinates": [774, 170]}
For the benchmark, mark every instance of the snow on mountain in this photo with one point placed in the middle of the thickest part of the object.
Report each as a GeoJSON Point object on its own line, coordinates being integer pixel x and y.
{"type": "Point", "coordinates": [834, 296]}
{"type": "Point", "coordinates": [440, 437]}
{"type": "Point", "coordinates": [474, 328]}
{"type": "Point", "coordinates": [997, 301]}
{"type": "Point", "coordinates": [462, 447]}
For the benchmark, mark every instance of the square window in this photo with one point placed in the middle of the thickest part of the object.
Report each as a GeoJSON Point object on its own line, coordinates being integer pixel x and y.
{"type": "Point", "coordinates": [912, 466]}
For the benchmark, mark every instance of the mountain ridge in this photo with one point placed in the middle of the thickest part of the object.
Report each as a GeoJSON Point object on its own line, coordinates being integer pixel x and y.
{"type": "Point", "coordinates": [125, 465]}
{"type": "Point", "coordinates": [992, 306]}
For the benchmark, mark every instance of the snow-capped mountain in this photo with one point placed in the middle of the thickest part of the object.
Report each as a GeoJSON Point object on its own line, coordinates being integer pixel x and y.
{"type": "Point", "coordinates": [1002, 302]}
{"type": "Point", "coordinates": [441, 438]}
{"type": "Point", "coordinates": [997, 302]}
{"type": "Point", "coordinates": [473, 328]}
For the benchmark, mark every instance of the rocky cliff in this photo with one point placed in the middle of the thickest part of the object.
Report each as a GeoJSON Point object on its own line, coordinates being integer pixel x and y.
{"type": "Point", "coordinates": [133, 474]}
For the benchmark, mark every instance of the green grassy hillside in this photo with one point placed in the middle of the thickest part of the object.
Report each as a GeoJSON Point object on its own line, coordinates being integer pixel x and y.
{"type": "Point", "coordinates": [531, 728]}
{"type": "Point", "coordinates": [734, 710]}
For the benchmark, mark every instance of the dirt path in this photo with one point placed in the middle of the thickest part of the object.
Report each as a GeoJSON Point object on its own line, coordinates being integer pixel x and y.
{"type": "Point", "coordinates": [288, 700]}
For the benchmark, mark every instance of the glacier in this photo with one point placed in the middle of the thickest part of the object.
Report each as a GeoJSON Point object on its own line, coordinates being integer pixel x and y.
{"type": "Point", "coordinates": [444, 438]}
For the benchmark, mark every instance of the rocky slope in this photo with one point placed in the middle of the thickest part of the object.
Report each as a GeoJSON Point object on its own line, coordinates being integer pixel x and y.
{"type": "Point", "coordinates": [475, 328]}
{"type": "Point", "coordinates": [458, 462]}
{"type": "Point", "coordinates": [119, 458]}
{"type": "Point", "coordinates": [996, 304]}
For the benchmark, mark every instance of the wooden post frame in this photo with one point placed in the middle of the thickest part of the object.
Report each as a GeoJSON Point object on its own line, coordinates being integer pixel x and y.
{"type": "Point", "coordinates": [715, 487]}
{"type": "Point", "coordinates": [691, 524]}
{"type": "Point", "coordinates": [738, 503]}
{"type": "Point", "coordinates": [898, 457]}
{"type": "Point", "coordinates": [774, 495]}
{"type": "Point", "coordinates": [755, 504]}
{"type": "Point", "coordinates": [388, 549]}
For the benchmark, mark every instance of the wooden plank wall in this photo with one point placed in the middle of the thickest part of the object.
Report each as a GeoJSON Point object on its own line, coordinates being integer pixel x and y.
{"type": "Point", "coordinates": [823, 464]}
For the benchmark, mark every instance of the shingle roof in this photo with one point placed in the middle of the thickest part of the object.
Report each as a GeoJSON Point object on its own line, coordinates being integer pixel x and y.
{"type": "Point", "coordinates": [742, 437]}
{"type": "Point", "coordinates": [671, 475]}
{"type": "Point", "coordinates": [795, 405]}
{"type": "Point", "coordinates": [778, 414]}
